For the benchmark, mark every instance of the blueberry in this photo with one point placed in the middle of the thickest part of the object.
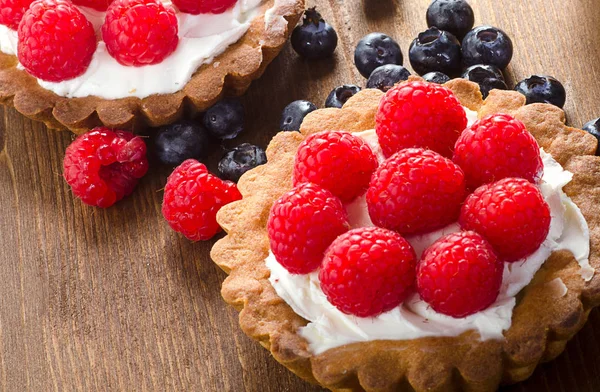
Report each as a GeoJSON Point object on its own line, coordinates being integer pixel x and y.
{"type": "Point", "coordinates": [593, 127]}
{"type": "Point", "coordinates": [453, 16]}
{"type": "Point", "coordinates": [314, 38]}
{"type": "Point", "coordinates": [239, 160]}
{"type": "Point", "coordinates": [386, 76]}
{"type": "Point", "coordinates": [488, 77]}
{"type": "Point", "coordinates": [177, 142]}
{"type": "Point", "coordinates": [375, 50]}
{"type": "Point", "coordinates": [487, 45]}
{"type": "Point", "coordinates": [436, 77]}
{"type": "Point", "coordinates": [435, 50]}
{"type": "Point", "coordinates": [543, 89]}
{"type": "Point", "coordinates": [225, 120]}
{"type": "Point", "coordinates": [294, 114]}
{"type": "Point", "coordinates": [339, 95]}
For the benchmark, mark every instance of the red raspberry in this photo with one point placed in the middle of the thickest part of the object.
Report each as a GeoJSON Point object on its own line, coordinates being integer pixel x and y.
{"type": "Point", "coordinates": [511, 214]}
{"type": "Point", "coordinates": [103, 166]}
{"type": "Point", "coordinates": [496, 147]}
{"type": "Point", "coordinates": [302, 224]}
{"type": "Point", "coordinates": [98, 5]}
{"type": "Point", "coordinates": [419, 114]}
{"type": "Point", "coordinates": [192, 199]}
{"type": "Point", "coordinates": [338, 161]}
{"type": "Point", "coordinates": [140, 32]}
{"type": "Point", "coordinates": [56, 41]}
{"type": "Point", "coordinates": [416, 191]}
{"type": "Point", "coordinates": [459, 274]}
{"type": "Point", "coordinates": [12, 11]}
{"type": "Point", "coordinates": [368, 271]}
{"type": "Point", "coordinates": [196, 7]}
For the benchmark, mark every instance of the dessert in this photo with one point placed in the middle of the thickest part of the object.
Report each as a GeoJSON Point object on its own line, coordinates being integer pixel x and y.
{"type": "Point", "coordinates": [187, 60]}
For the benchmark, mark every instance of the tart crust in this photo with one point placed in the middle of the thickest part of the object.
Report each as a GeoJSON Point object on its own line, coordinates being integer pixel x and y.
{"type": "Point", "coordinates": [229, 74]}
{"type": "Point", "coordinates": [543, 320]}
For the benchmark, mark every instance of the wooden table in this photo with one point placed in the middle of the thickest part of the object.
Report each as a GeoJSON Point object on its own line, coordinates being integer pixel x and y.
{"type": "Point", "coordinates": [114, 300]}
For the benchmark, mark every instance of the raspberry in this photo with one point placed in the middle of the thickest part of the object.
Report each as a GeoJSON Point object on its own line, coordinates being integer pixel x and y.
{"type": "Point", "coordinates": [337, 161]}
{"type": "Point", "coordinates": [196, 7]}
{"type": "Point", "coordinates": [368, 271]}
{"type": "Point", "coordinates": [511, 214]}
{"type": "Point", "coordinates": [103, 166]}
{"type": "Point", "coordinates": [56, 41]}
{"type": "Point", "coordinates": [496, 147]}
{"type": "Point", "coordinates": [416, 191]}
{"type": "Point", "coordinates": [98, 5]}
{"type": "Point", "coordinates": [419, 114]}
{"type": "Point", "coordinates": [302, 224]}
{"type": "Point", "coordinates": [192, 199]}
{"type": "Point", "coordinates": [459, 274]}
{"type": "Point", "coordinates": [140, 32]}
{"type": "Point", "coordinates": [12, 11]}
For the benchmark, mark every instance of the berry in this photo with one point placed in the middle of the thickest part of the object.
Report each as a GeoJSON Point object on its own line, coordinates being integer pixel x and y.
{"type": "Point", "coordinates": [98, 5]}
{"type": "Point", "coordinates": [419, 114]}
{"type": "Point", "coordinates": [368, 271]}
{"type": "Point", "coordinates": [241, 159]}
{"type": "Point", "coordinates": [496, 147]}
{"type": "Point", "coordinates": [140, 32]}
{"type": "Point", "coordinates": [192, 199]}
{"type": "Point", "coordinates": [314, 38]}
{"type": "Point", "coordinates": [511, 214]}
{"type": "Point", "coordinates": [302, 224]}
{"type": "Point", "coordinates": [416, 191]}
{"type": "Point", "coordinates": [178, 142]}
{"type": "Point", "coordinates": [375, 50]}
{"type": "Point", "coordinates": [459, 274]}
{"type": "Point", "coordinates": [337, 161]}
{"type": "Point", "coordinates": [436, 77]}
{"type": "Point", "coordinates": [103, 166]}
{"type": "Point", "coordinates": [453, 16]}
{"type": "Point", "coordinates": [593, 127]}
{"type": "Point", "coordinates": [542, 89]}
{"type": "Point", "coordinates": [435, 50]}
{"type": "Point", "coordinates": [386, 76]}
{"type": "Point", "coordinates": [487, 45]}
{"type": "Point", "coordinates": [56, 41]}
{"type": "Point", "coordinates": [225, 120]}
{"type": "Point", "coordinates": [293, 115]}
{"type": "Point", "coordinates": [339, 95]}
{"type": "Point", "coordinates": [488, 77]}
{"type": "Point", "coordinates": [196, 7]}
{"type": "Point", "coordinates": [12, 11]}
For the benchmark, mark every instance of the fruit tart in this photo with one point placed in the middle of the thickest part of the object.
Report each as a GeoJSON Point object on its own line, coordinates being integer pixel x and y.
{"type": "Point", "coordinates": [423, 239]}
{"type": "Point", "coordinates": [121, 63]}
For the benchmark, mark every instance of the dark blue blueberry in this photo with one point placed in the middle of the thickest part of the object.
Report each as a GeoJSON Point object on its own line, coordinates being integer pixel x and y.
{"type": "Point", "coordinates": [339, 95]}
{"type": "Point", "coordinates": [294, 114]}
{"type": "Point", "coordinates": [487, 45]}
{"type": "Point", "coordinates": [435, 50]}
{"type": "Point", "coordinates": [177, 142]}
{"type": "Point", "coordinates": [386, 76]}
{"type": "Point", "coordinates": [436, 77]}
{"type": "Point", "coordinates": [542, 89]}
{"type": "Point", "coordinates": [314, 38]}
{"type": "Point", "coordinates": [453, 16]}
{"type": "Point", "coordinates": [593, 127]}
{"type": "Point", "coordinates": [225, 120]}
{"type": "Point", "coordinates": [375, 50]}
{"type": "Point", "coordinates": [488, 77]}
{"type": "Point", "coordinates": [239, 160]}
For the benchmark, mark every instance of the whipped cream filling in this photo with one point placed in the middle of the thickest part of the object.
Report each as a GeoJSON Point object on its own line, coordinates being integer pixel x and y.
{"type": "Point", "coordinates": [201, 38]}
{"type": "Point", "coordinates": [329, 328]}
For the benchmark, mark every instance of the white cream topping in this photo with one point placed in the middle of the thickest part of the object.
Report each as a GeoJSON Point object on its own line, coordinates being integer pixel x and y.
{"type": "Point", "coordinates": [329, 328]}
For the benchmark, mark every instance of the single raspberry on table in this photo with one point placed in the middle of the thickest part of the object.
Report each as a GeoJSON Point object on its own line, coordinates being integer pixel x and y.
{"type": "Point", "coordinates": [56, 41]}
{"type": "Point", "coordinates": [419, 114]}
{"type": "Point", "coordinates": [98, 5]}
{"type": "Point", "coordinates": [302, 224]}
{"type": "Point", "coordinates": [511, 214]}
{"type": "Point", "coordinates": [416, 191]}
{"type": "Point", "coordinates": [12, 11]}
{"type": "Point", "coordinates": [368, 271]}
{"type": "Point", "coordinates": [337, 161]}
{"type": "Point", "coordinates": [459, 274]}
{"type": "Point", "coordinates": [496, 147]}
{"type": "Point", "coordinates": [196, 7]}
{"type": "Point", "coordinates": [103, 166]}
{"type": "Point", "coordinates": [140, 32]}
{"type": "Point", "coordinates": [192, 199]}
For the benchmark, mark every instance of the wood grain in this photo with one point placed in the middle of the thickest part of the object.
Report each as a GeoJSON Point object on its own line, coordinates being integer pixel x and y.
{"type": "Point", "coordinates": [107, 300]}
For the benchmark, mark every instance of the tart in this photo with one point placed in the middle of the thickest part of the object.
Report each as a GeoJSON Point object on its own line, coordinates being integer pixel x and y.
{"type": "Point", "coordinates": [551, 307]}
{"type": "Point", "coordinates": [118, 96]}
